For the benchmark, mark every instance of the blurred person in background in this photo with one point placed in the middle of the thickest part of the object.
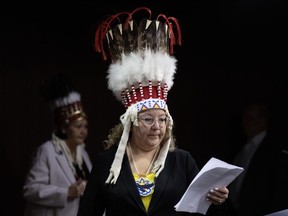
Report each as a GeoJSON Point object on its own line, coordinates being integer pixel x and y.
{"type": "Point", "coordinates": [257, 191]}
{"type": "Point", "coordinates": [60, 168]}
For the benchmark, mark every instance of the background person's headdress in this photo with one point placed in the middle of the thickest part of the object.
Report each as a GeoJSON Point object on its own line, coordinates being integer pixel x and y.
{"type": "Point", "coordinates": [142, 67]}
{"type": "Point", "coordinates": [63, 99]}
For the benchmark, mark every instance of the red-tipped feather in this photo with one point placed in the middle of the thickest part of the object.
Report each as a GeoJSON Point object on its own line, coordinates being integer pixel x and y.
{"type": "Point", "coordinates": [133, 38]}
{"type": "Point", "coordinates": [179, 35]}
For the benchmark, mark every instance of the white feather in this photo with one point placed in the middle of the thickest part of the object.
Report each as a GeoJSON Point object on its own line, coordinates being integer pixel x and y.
{"type": "Point", "coordinates": [139, 66]}
{"type": "Point", "coordinates": [71, 98]}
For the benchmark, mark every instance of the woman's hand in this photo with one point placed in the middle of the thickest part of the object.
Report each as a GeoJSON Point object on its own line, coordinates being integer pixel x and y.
{"type": "Point", "coordinates": [217, 195]}
{"type": "Point", "coordinates": [76, 190]}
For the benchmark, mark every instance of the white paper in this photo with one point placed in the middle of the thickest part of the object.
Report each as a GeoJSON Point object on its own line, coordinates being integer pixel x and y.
{"type": "Point", "coordinates": [279, 213]}
{"type": "Point", "coordinates": [215, 173]}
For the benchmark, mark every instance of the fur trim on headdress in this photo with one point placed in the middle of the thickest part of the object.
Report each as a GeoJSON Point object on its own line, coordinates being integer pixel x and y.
{"type": "Point", "coordinates": [143, 67]}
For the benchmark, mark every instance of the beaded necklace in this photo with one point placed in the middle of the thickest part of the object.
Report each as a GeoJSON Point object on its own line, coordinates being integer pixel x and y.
{"type": "Point", "coordinates": [144, 183]}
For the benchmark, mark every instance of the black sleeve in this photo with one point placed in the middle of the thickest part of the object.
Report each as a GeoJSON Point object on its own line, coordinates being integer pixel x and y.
{"type": "Point", "coordinates": [92, 202]}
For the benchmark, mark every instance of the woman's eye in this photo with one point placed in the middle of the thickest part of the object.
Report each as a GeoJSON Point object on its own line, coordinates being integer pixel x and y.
{"type": "Point", "coordinates": [148, 120]}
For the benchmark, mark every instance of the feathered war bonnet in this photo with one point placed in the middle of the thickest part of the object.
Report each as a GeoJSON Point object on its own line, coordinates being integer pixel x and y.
{"type": "Point", "coordinates": [142, 69]}
{"type": "Point", "coordinates": [64, 100]}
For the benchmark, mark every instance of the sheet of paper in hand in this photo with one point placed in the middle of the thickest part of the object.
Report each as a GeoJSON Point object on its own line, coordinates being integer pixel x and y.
{"type": "Point", "coordinates": [279, 213]}
{"type": "Point", "coordinates": [215, 173]}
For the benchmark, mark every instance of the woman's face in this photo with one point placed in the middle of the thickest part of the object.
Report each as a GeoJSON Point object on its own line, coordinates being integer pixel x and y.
{"type": "Point", "coordinates": [150, 130]}
{"type": "Point", "coordinates": [77, 131]}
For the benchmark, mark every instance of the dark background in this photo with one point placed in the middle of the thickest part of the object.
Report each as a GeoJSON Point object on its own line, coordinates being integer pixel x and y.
{"type": "Point", "coordinates": [233, 52]}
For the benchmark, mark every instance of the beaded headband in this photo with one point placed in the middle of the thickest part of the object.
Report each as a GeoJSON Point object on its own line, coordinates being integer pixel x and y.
{"type": "Point", "coordinates": [69, 109]}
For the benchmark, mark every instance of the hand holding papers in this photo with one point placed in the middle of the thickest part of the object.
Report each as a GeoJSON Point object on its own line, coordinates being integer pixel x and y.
{"type": "Point", "coordinates": [215, 173]}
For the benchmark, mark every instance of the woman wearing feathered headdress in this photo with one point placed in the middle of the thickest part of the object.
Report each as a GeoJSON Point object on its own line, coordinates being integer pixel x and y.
{"type": "Point", "coordinates": [141, 172]}
{"type": "Point", "coordinates": [58, 175]}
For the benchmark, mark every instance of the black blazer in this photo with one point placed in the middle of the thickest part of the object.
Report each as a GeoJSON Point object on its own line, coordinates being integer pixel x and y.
{"type": "Point", "coordinates": [123, 198]}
